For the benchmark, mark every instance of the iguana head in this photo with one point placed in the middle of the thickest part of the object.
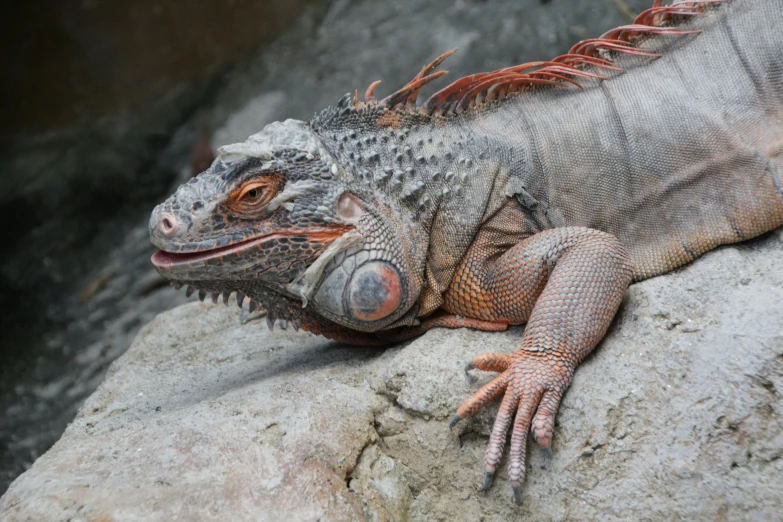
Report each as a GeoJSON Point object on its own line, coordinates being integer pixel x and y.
{"type": "Point", "coordinates": [278, 217]}
{"type": "Point", "coordinates": [337, 212]}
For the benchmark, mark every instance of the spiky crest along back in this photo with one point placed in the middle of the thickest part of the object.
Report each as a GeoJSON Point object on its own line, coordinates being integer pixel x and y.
{"type": "Point", "coordinates": [393, 156]}
{"type": "Point", "coordinates": [360, 135]}
{"type": "Point", "coordinates": [386, 146]}
{"type": "Point", "coordinates": [590, 59]}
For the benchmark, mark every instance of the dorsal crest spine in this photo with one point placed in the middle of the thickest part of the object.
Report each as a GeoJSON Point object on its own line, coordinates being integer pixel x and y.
{"type": "Point", "coordinates": [585, 60]}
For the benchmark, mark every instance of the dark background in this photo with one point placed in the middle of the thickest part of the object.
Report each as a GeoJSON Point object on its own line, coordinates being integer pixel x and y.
{"type": "Point", "coordinates": [107, 106]}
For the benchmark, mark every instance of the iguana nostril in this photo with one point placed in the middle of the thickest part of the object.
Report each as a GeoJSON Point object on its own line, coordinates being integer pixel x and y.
{"type": "Point", "coordinates": [168, 225]}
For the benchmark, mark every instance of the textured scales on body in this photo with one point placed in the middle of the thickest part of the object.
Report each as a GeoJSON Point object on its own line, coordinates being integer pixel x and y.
{"type": "Point", "coordinates": [533, 194]}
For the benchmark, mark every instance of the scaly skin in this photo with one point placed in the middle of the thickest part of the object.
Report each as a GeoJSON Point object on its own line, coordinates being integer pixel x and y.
{"type": "Point", "coordinates": [567, 284]}
{"type": "Point", "coordinates": [506, 198]}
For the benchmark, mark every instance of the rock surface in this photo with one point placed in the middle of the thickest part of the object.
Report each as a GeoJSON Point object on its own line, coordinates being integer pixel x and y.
{"type": "Point", "coordinates": [677, 415]}
{"type": "Point", "coordinates": [76, 283]}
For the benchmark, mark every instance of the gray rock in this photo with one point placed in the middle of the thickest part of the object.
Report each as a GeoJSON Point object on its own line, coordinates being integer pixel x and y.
{"type": "Point", "coordinates": [65, 343]}
{"type": "Point", "coordinates": [677, 415]}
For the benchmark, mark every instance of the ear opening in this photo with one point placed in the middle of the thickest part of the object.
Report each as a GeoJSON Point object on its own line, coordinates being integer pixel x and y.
{"type": "Point", "coordinates": [349, 207]}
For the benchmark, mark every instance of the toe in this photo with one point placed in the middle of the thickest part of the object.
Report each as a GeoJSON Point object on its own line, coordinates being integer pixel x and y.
{"type": "Point", "coordinates": [518, 449]}
{"type": "Point", "coordinates": [493, 362]}
{"type": "Point", "coordinates": [497, 438]}
{"type": "Point", "coordinates": [543, 425]}
{"type": "Point", "coordinates": [488, 393]}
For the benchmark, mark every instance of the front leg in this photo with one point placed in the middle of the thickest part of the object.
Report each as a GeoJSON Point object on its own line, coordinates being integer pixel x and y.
{"type": "Point", "coordinates": [567, 284]}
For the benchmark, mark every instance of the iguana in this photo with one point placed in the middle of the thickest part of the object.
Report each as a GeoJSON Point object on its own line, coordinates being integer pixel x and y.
{"type": "Point", "coordinates": [533, 194]}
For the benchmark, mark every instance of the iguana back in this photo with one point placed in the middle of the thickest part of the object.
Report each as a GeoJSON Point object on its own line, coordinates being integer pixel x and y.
{"type": "Point", "coordinates": [675, 156]}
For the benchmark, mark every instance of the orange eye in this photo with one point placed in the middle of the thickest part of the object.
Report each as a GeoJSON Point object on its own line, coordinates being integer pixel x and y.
{"type": "Point", "coordinates": [254, 195]}
{"type": "Point", "coordinates": [251, 192]}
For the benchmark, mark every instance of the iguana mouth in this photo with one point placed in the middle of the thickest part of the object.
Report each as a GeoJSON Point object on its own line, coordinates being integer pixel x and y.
{"type": "Point", "coordinates": [165, 260]}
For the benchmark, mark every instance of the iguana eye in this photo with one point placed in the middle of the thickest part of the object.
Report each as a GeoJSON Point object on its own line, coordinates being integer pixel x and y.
{"type": "Point", "coordinates": [254, 195]}
{"type": "Point", "coordinates": [251, 192]}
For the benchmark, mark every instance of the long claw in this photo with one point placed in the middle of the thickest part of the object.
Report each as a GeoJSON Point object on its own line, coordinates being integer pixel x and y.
{"type": "Point", "coordinates": [488, 476]}
{"type": "Point", "coordinates": [468, 377]}
{"type": "Point", "coordinates": [517, 495]}
{"type": "Point", "coordinates": [454, 420]}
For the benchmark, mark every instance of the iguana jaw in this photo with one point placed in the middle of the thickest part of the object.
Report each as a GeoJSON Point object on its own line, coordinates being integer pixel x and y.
{"type": "Point", "coordinates": [206, 264]}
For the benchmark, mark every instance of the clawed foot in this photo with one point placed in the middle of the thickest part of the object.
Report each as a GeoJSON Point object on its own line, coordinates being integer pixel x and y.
{"type": "Point", "coordinates": [532, 384]}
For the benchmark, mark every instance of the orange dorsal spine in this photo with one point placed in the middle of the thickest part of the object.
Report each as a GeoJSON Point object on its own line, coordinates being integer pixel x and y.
{"type": "Point", "coordinates": [474, 90]}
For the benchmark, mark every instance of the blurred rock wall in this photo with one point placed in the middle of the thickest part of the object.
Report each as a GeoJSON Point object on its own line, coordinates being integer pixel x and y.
{"type": "Point", "coordinates": [76, 61]}
{"type": "Point", "coordinates": [92, 90]}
